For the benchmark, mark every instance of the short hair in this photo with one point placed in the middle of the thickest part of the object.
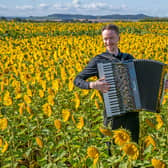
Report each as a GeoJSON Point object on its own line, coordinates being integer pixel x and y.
{"type": "Point", "coordinates": [111, 27]}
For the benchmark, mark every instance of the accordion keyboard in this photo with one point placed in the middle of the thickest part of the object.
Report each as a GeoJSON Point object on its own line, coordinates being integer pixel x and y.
{"type": "Point", "coordinates": [111, 98]}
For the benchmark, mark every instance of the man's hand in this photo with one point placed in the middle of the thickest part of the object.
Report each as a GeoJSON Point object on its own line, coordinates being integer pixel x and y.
{"type": "Point", "coordinates": [100, 85]}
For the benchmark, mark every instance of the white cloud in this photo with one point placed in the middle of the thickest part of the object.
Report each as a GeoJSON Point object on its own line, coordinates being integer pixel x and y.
{"type": "Point", "coordinates": [2, 7]}
{"type": "Point", "coordinates": [61, 6]}
{"type": "Point", "coordinates": [44, 6]}
{"type": "Point", "coordinates": [76, 3]}
{"type": "Point", "coordinates": [78, 7]}
{"type": "Point", "coordinates": [97, 5]}
{"type": "Point", "coordinates": [123, 6]}
{"type": "Point", "coordinates": [25, 7]}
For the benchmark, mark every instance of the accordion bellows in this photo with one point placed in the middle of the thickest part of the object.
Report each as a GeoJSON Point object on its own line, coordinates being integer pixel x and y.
{"type": "Point", "coordinates": [135, 85]}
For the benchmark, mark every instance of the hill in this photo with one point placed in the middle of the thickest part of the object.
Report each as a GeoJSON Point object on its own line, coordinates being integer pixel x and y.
{"type": "Point", "coordinates": [116, 16]}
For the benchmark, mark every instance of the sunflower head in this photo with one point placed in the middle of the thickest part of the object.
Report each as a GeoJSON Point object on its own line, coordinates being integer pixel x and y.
{"type": "Point", "coordinates": [105, 131]}
{"type": "Point", "coordinates": [131, 150]}
{"type": "Point", "coordinates": [150, 141]}
{"type": "Point", "coordinates": [1, 141]}
{"type": "Point", "coordinates": [149, 123]}
{"type": "Point", "coordinates": [92, 152]}
{"type": "Point", "coordinates": [158, 163]}
{"type": "Point", "coordinates": [121, 137]}
{"type": "Point", "coordinates": [66, 114]}
{"type": "Point", "coordinates": [159, 121]}
{"type": "Point", "coordinates": [39, 142]}
{"type": "Point", "coordinates": [57, 124]}
{"type": "Point", "coordinates": [5, 147]}
{"type": "Point", "coordinates": [3, 123]}
{"type": "Point", "coordinates": [80, 124]}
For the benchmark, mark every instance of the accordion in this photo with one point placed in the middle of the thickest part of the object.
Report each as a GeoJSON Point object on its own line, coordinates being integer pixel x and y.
{"type": "Point", "coordinates": [135, 85]}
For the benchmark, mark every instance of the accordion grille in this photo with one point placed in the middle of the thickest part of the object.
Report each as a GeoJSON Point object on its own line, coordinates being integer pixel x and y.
{"type": "Point", "coordinates": [123, 86]}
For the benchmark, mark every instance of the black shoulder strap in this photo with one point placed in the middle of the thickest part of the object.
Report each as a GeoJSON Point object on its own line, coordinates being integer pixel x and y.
{"type": "Point", "coordinates": [123, 56]}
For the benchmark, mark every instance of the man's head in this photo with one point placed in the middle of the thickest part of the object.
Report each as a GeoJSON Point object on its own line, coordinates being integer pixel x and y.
{"type": "Point", "coordinates": [110, 34]}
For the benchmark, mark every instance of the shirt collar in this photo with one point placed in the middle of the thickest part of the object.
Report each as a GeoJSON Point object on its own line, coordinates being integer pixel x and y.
{"type": "Point", "coordinates": [118, 56]}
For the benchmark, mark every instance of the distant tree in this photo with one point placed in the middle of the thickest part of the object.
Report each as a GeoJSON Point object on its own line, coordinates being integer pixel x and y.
{"type": "Point", "coordinates": [3, 18]}
{"type": "Point", "coordinates": [17, 19]}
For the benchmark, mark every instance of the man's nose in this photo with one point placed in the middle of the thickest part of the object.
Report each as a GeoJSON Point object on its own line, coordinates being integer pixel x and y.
{"type": "Point", "coordinates": [108, 41]}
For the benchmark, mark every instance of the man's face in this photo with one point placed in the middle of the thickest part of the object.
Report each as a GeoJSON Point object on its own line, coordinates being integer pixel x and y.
{"type": "Point", "coordinates": [110, 39]}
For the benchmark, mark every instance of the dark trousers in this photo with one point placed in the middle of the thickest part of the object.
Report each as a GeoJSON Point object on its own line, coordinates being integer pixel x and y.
{"type": "Point", "coordinates": [129, 121]}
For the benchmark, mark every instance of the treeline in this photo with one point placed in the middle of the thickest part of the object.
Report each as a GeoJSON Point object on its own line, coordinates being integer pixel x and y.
{"type": "Point", "coordinates": [156, 19]}
{"type": "Point", "coordinates": [19, 19]}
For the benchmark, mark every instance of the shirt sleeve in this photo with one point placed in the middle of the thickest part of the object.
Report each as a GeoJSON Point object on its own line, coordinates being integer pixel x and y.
{"type": "Point", "coordinates": [89, 71]}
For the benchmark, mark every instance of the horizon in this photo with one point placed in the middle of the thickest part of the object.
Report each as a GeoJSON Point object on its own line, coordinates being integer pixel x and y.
{"type": "Point", "coordinates": [82, 15]}
{"type": "Point", "coordinates": [38, 8]}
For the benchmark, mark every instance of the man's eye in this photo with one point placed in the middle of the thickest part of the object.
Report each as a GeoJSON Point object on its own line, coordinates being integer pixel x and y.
{"type": "Point", "coordinates": [108, 39]}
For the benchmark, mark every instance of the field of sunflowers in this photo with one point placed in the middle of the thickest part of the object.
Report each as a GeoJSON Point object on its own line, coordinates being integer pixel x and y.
{"type": "Point", "coordinates": [47, 122]}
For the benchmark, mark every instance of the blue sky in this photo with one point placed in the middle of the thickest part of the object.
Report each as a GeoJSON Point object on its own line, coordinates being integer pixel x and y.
{"type": "Point", "coordinates": [90, 7]}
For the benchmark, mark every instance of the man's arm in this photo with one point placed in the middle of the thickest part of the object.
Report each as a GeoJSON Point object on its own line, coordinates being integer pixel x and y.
{"type": "Point", "coordinates": [89, 71]}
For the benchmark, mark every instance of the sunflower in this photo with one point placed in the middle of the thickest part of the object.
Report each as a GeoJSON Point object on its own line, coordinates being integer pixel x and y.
{"type": "Point", "coordinates": [51, 91]}
{"type": "Point", "coordinates": [1, 141]}
{"type": "Point", "coordinates": [39, 142]}
{"type": "Point", "coordinates": [70, 85]}
{"type": "Point", "coordinates": [66, 114]}
{"type": "Point", "coordinates": [44, 85]}
{"type": "Point", "coordinates": [57, 124]}
{"type": "Point", "coordinates": [3, 123]}
{"type": "Point", "coordinates": [7, 101]}
{"type": "Point", "coordinates": [77, 101]}
{"type": "Point", "coordinates": [121, 137]}
{"type": "Point", "coordinates": [29, 110]}
{"type": "Point", "coordinates": [18, 96]}
{"type": "Point", "coordinates": [131, 151]}
{"type": "Point", "coordinates": [29, 92]}
{"type": "Point", "coordinates": [80, 124]}
{"type": "Point", "coordinates": [41, 93]}
{"type": "Point", "coordinates": [149, 140]}
{"type": "Point", "coordinates": [149, 123]}
{"type": "Point", "coordinates": [93, 153]}
{"type": "Point", "coordinates": [47, 109]}
{"type": "Point", "coordinates": [85, 92]}
{"type": "Point", "coordinates": [5, 147]}
{"type": "Point", "coordinates": [158, 163]}
{"type": "Point", "coordinates": [63, 74]}
{"type": "Point", "coordinates": [51, 99]}
{"type": "Point", "coordinates": [55, 85]}
{"type": "Point", "coordinates": [159, 121]}
{"type": "Point", "coordinates": [27, 99]}
{"type": "Point", "coordinates": [21, 107]}
{"type": "Point", "coordinates": [73, 119]}
{"type": "Point", "coordinates": [105, 131]}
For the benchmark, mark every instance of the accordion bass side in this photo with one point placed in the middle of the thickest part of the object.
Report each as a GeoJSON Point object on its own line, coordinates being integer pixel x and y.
{"type": "Point", "coordinates": [135, 85]}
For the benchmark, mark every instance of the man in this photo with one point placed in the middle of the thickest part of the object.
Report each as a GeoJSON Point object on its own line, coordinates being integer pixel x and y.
{"type": "Point", "coordinates": [110, 35]}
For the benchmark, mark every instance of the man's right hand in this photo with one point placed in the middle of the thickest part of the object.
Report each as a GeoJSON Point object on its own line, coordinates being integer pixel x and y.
{"type": "Point", "coordinates": [100, 85]}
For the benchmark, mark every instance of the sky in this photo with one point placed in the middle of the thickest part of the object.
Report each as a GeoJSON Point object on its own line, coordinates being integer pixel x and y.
{"type": "Point", "coordinates": [158, 8]}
